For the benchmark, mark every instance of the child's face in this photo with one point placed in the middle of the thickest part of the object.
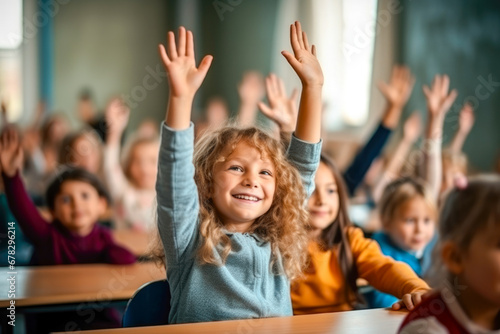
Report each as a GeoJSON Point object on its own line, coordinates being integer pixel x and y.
{"type": "Point", "coordinates": [144, 165]}
{"type": "Point", "coordinates": [85, 154]}
{"type": "Point", "coordinates": [412, 226]}
{"type": "Point", "coordinates": [243, 188]}
{"type": "Point", "coordinates": [480, 265]}
{"type": "Point", "coordinates": [78, 206]}
{"type": "Point", "coordinates": [324, 203]}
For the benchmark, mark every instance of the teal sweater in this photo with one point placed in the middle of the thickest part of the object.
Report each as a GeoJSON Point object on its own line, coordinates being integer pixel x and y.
{"type": "Point", "coordinates": [245, 286]}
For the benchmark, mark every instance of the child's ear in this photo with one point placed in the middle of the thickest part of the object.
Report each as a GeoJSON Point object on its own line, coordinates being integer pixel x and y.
{"type": "Point", "coordinates": [452, 257]}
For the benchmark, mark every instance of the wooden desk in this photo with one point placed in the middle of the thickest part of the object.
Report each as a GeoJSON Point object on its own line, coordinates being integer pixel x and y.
{"type": "Point", "coordinates": [85, 283]}
{"type": "Point", "coordinates": [135, 241]}
{"type": "Point", "coordinates": [364, 321]}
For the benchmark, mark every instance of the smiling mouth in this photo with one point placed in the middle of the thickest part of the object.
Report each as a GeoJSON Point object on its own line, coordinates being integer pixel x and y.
{"type": "Point", "coordinates": [247, 197]}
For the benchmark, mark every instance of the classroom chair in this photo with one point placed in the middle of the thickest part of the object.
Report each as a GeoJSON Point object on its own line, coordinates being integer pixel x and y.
{"type": "Point", "coordinates": [149, 306]}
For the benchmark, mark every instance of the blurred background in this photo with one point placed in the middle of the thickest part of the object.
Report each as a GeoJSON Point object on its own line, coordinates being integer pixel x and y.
{"type": "Point", "coordinates": [55, 51]}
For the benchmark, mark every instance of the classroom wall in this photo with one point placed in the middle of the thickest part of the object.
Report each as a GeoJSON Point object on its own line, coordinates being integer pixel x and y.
{"type": "Point", "coordinates": [110, 47]}
{"type": "Point", "coordinates": [462, 39]}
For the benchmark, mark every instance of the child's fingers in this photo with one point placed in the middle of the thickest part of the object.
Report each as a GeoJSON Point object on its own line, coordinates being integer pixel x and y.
{"type": "Point", "coordinates": [163, 54]}
{"type": "Point", "coordinates": [291, 60]}
{"type": "Point", "coordinates": [449, 100]}
{"type": "Point", "coordinates": [271, 92]}
{"type": "Point", "coordinates": [205, 65]}
{"type": "Point", "coordinates": [181, 48]}
{"type": "Point", "coordinates": [172, 50]}
{"type": "Point", "coordinates": [313, 50]}
{"type": "Point", "coordinates": [281, 87]}
{"type": "Point", "coordinates": [445, 85]}
{"type": "Point", "coordinates": [306, 42]}
{"type": "Point", "coordinates": [266, 110]}
{"type": "Point", "coordinates": [298, 29]}
{"type": "Point", "coordinates": [427, 91]}
{"type": "Point", "coordinates": [189, 44]}
{"type": "Point", "coordinates": [416, 299]}
{"type": "Point", "coordinates": [293, 39]}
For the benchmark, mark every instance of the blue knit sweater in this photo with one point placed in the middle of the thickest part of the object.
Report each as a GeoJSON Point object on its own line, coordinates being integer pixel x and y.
{"type": "Point", "coordinates": [245, 286]}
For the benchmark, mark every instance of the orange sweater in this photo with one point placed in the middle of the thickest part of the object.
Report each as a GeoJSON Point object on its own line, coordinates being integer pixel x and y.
{"type": "Point", "coordinates": [323, 289]}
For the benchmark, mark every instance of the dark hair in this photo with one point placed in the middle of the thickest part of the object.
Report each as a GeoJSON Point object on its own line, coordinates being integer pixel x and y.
{"type": "Point", "coordinates": [336, 235]}
{"type": "Point", "coordinates": [67, 149]}
{"type": "Point", "coordinates": [73, 174]}
{"type": "Point", "coordinates": [469, 210]}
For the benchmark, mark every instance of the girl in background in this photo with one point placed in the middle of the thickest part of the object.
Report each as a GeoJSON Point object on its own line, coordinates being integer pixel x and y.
{"type": "Point", "coordinates": [469, 253]}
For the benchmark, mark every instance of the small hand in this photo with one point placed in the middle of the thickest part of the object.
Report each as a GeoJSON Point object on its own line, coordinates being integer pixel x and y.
{"type": "Point", "coordinates": [303, 60]}
{"type": "Point", "coordinates": [410, 300]}
{"type": "Point", "coordinates": [11, 153]}
{"type": "Point", "coordinates": [398, 90]}
{"type": "Point", "coordinates": [466, 120]}
{"type": "Point", "coordinates": [183, 75]}
{"type": "Point", "coordinates": [412, 127]}
{"type": "Point", "coordinates": [439, 100]}
{"type": "Point", "coordinates": [282, 109]}
{"type": "Point", "coordinates": [251, 88]}
{"type": "Point", "coordinates": [117, 116]}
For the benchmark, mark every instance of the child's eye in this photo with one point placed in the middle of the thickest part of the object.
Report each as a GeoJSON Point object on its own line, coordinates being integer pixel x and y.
{"type": "Point", "coordinates": [236, 168]}
{"type": "Point", "coordinates": [85, 195]}
{"type": "Point", "coordinates": [331, 191]}
{"type": "Point", "coordinates": [65, 199]}
{"type": "Point", "coordinates": [266, 172]}
{"type": "Point", "coordinates": [409, 220]}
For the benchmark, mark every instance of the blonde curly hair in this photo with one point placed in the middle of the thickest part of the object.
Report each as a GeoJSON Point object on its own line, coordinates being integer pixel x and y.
{"type": "Point", "coordinates": [284, 225]}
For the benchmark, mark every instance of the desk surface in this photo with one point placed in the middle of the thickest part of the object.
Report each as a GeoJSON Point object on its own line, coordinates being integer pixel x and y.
{"type": "Point", "coordinates": [364, 321]}
{"type": "Point", "coordinates": [135, 241]}
{"type": "Point", "coordinates": [51, 285]}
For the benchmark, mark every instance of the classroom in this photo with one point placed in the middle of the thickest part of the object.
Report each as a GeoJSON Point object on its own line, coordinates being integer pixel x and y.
{"type": "Point", "coordinates": [249, 166]}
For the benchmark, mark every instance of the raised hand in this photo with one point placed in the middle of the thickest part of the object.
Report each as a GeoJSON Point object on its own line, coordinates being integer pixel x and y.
{"type": "Point", "coordinates": [281, 109]}
{"type": "Point", "coordinates": [183, 75]}
{"type": "Point", "coordinates": [412, 127]}
{"type": "Point", "coordinates": [117, 116]}
{"type": "Point", "coordinates": [439, 100]}
{"type": "Point", "coordinates": [466, 120]}
{"type": "Point", "coordinates": [251, 91]}
{"type": "Point", "coordinates": [11, 153]}
{"type": "Point", "coordinates": [308, 69]}
{"type": "Point", "coordinates": [303, 60]}
{"type": "Point", "coordinates": [398, 90]}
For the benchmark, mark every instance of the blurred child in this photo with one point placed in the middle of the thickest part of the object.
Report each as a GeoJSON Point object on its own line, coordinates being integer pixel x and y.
{"type": "Point", "coordinates": [339, 255]}
{"type": "Point", "coordinates": [82, 149]}
{"type": "Point", "coordinates": [408, 214]}
{"type": "Point", "coordinates": [75, 198]}
{"type": "Point", "coordinates": [250, 91]}
{"type": "Point", "coordinates": [132, 186]}
{"type": "Point", "coordinates": [233, 232]}
{"type": "Point", "coordinates": [469, 252]}
{"type": "Point", "coordinates": [217, 114]}
{"type": "Point", "coordinates": [455, 162]}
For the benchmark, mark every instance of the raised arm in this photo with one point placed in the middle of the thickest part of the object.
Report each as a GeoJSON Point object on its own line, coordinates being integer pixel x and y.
{"type": "Point", "coordinates": [175, 187]}
{"type": "Point", "coordinates": [465, 124]}
{"type": "Point", "coordinates": [306, 65]}
{"type": "Point", "coordinates": [11, 160]}
{"type": "Point", "coordinates": [439, 101]}
{"type": "Point", "coordinates": [411, 132]}
{"type": "Point", "coordinates": [396, 92]}
{"type": "Point", "coordinates": [117, 116]}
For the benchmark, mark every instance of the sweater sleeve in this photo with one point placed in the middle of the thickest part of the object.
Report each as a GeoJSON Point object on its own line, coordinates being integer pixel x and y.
{"type": "Point", "coordinates": [305, 157]}
{"type": "Point", "coordinates": [32, 224]}
{"type": "Point", "coordinates": [382, 272]}
{"type": "Point", "coordinates": [355, 174]}
{"type": "Point", "coordinates": [113, 173]}
{"type": "Point", "coordinates": [177, 195]}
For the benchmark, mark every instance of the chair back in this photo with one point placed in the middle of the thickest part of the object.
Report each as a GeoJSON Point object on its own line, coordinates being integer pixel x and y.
{"type": "Point", "coordinates": [149, 306]}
